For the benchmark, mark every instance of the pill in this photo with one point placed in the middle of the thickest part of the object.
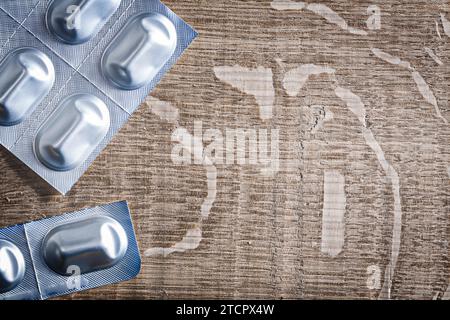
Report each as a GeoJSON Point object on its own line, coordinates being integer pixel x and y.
{"type": "Point", "coordinates": [77, 21]}
{"type": "Point", "coordinates": [26, 77]}
{"type": "Point", "coordinates": [91, 244]}
{"type": "Point", "coordinates": [139, 51]}
{"type": "Point", "coordinates": [12, 266]}
{"type": "Point", "coordinates": [72, 132]}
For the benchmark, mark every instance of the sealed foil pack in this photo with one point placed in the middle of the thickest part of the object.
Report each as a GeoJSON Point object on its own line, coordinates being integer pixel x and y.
{"type": "Point", "coordinates": [73, 71]}
{"type": "Point", "coordinates": [69, 253]}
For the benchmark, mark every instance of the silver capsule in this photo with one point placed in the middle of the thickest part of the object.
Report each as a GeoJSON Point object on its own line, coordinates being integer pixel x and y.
{"type": "Point", "coordinates": [12, 266]}
{"type": "Point", "coordinates": [72, 132]}
{"type": "Point", "coordinates": [77, 21]}
{"type": "Point", "coordinates": [26, 77]}
{"type": "Point", "coordinates": [139, 51]}
{"type": "Point", "coordinates": [91, 245]}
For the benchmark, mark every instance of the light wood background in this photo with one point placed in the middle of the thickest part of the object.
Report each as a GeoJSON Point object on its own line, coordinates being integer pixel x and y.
{"type": "Point", "coordinates": [263, 236]}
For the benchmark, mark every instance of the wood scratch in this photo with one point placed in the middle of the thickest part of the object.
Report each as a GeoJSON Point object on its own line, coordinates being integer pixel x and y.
{"type": "Point", "coordinates": [295, 79]}
{"type": "Point", "coordinates": [320, 9]}
{"type": "Point", "coordinates": [355, 104]}
{"type": "Point", "coordinates": [421, 84]}
{"type": "Point", "coordinates": [333, 216]}
{"type": "Point", "coordinates": [324, 115]}
{"type": "Point", "coordinates": [257, 82]}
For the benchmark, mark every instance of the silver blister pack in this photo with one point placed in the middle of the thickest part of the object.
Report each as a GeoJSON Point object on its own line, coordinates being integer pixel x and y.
{"type": "Point", "coordinates": [69, 253]}
{"type": "Point", "coordinates": [73, 71]}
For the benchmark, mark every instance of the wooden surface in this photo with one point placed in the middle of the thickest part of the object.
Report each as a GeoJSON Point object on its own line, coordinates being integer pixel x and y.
{"type": "Point", "coordinates": [368, 133]}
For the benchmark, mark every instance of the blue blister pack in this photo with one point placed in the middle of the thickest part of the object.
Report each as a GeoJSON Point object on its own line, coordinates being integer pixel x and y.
{"type": "Point", "coordinates": [73, 71]}
{"type": "Point", "coordinates": [69, 253]}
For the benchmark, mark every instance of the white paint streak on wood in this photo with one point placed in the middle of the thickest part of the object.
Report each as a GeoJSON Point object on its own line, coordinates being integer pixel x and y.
{"type": "Point", "coordinates": [195, 148]}
{"type": "Point", "coordinates": [355, 105]}
{"type": "Point", "coordinates": [424, 89]}
{"type": "Point", "coordinates": [332, 17]}
{"type": "Point", "coordinates": [320, 9]}
{"type": "Point", "coordinates": [391, 59]}
{"type": "Point", "coordinates": [333, 216]}
{"type": "Point", "coordinates": [445, 25]}
{"type": "Point", "coordinates": [426, 92]}
{"type": "Point", "coordinates": [393, 176]}
{"type": "Point", "coordinates": [437, 29]}
{"type": "Point", "coordinates": [164, 110]}
{"type": "Point", "coordinates": [190, 241]}
{"type": "Point", "coordinates": [287, 5]}
{"type": "Point", "coordinates": [353, 102]}
{"type": "Point", "coordinates": [328, 14]}
{"type": "Point", "coordinates": [257, 82]}
{"type": "Point", "coordinates": [446, 295]}
{"type": "Point", "coordinates": [421, 84]}
{"type": "Point", "coordinates": [296, 78]}
{"type": "Point", "coordinates": [193, 237]}
{"type": "Point", "coordinates": [433, 56]}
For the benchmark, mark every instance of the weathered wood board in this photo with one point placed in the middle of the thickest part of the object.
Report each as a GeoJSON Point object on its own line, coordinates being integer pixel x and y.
{"type": "Point", "coordinates": [358, 206]}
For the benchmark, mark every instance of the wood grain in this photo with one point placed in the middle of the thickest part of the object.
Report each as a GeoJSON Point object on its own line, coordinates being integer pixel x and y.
{"type": "Point", "coordinates": [262, 238]}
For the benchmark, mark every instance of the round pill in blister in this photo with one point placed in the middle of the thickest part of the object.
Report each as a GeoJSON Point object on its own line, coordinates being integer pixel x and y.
{"type": "Point", "coordinates": [90, 244]}
{"type": "Point", "coordinates": [72, 132]}
{"type": "Point", "coordinates": [77, 21]}
{"type": "Point", "coordinates": [26, 77]}
{"type": "Point", "coordinates": [12, 266]}
{"type": "Point", "coordinates": [139, 51]}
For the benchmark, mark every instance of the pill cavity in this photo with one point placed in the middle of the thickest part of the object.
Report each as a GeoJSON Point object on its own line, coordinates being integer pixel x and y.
{"type": "Point", "coordinates": [77, 21]}
{"type": "Point", "coordinates": [91, 244]}
{"type": "Point", "coordinates": [72, 132]}
{"type": "Point", "coordinates": [12, 266]}
{"type": "Point", "coordinates": [139, 51]}
{"type": "Point", "coordinates": [26, 77]}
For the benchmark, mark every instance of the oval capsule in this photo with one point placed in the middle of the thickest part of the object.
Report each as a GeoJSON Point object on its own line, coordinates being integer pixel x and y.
{"type": "Point", "coordinates": [77, 21]}
{"type": "Point", "coordinates": [72, 132]}
{"type": "Point", "coordinates": [91, 244]}
{"type": "Point", "coordinates": [26, 76]}
{"type": "Point", "coordinates": [12, 266]}
{"type": "Point", "coordinates": [139, 51]}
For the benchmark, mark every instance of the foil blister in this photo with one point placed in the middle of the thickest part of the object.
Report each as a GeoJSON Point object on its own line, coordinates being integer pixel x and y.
{"type": "Point", "coordinates": [110, 62]}
{"type": "Point", "coordinates": [69, 253]}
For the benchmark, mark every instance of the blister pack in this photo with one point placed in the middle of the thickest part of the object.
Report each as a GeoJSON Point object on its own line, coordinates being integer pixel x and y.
{"type": "Point", "coordinates": [69, 253]}
{"type": "Point", "coordinates": [73, 71]}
